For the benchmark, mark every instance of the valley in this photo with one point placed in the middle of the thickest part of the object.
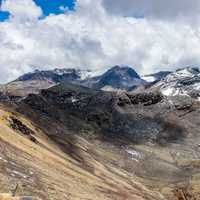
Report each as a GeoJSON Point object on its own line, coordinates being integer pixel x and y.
{"type": "Point", "coordinates": [68, 141]}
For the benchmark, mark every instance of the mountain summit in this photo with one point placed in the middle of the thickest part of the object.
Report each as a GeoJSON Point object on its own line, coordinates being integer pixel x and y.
{"type": "Point", "coordinates": [56, 75]}
{"type": "Point", "coordinates": [116, 78]}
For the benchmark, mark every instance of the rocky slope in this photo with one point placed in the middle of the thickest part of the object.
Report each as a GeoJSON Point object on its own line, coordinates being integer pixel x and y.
{"type": "Point", "coordinates": [80, 143]}
{"type": "Point", "coordinates": [49, 159]}
{"type": "Point", "coordinates": [183, 82]}
{"type": "Point", "coordinates": [121, 140]}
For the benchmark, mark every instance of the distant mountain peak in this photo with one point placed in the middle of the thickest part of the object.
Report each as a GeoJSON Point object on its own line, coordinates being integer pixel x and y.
{"type": "Point", "coordinates": [56, 75]}
{"type": "Point", "coordinates": [182, 73]}
{"type": "Point", "coordinates": [124, 70]}
{"type": "Point", "coordinates": [182, 82]}
{"type": "Point", "coordinates": [118, 77]}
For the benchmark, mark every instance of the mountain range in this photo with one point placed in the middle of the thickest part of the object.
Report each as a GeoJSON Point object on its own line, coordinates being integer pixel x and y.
{"type": "Point", "coordinates": [117, 78]}
{"type": "Point", "coordinates": [65, 134]}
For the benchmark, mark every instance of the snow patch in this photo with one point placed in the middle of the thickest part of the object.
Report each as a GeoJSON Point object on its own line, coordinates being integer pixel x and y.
{"type": "Point", "coordinates": [149, 79]}
{"type": "Point", "coordinates": [19, 174]}
{"type": "Point", "coordinates": [134, 155]}
{"type": "Point", "coordinates": [196, 86]}
{"type": "Point", "coordinates": [167, 91]}
{"type": "Point", "coordinates": [184, 72]}
{"type": "Point", "coordinates": [85, 74]}
{"type": "Point", "coordinates": [74, 100]}
{"type": "Point", "coordinates": [61, 72]}
{"type": "Point", "coordinates": [4, 160]}
{"type": "Point", "coordinates": [173, 91]}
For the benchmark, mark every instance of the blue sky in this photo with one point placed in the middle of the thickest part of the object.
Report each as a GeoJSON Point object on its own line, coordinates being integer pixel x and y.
{"type": "Point", "coordinates": [48, 6]}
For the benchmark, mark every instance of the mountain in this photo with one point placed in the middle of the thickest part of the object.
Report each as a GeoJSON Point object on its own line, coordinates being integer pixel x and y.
{"type": "Point", "coordinates": [61, 144]}
{"type": "Point", "coordinates": [75, 142]}
{"type": "Point", "coordinates": [56, 75]}
{"type": "Point", "coordinates": [116, 78]}
{"type": "Point", "coordinates": [33, 82]}
{"type": "Point", "coordinates": [184, 82]}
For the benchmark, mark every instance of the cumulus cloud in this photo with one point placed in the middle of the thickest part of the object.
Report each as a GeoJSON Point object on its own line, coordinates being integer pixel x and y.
{"type": "Point", "coordinates": [22, 10]}
{"type": "Point", "coordinates": [95, 36]}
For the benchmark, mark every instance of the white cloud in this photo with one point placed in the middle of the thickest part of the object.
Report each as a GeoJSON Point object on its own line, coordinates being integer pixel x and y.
{"type": "Point", "coordinates": [92, 37]}
{"type": "Point", "coordinates": [22, 9]}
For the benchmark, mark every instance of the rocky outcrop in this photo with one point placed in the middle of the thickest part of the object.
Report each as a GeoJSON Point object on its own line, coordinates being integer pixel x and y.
{"type": "Point", "coordinates": [145, 98]}
{"type": "Point", "coordinates": [18, 126]}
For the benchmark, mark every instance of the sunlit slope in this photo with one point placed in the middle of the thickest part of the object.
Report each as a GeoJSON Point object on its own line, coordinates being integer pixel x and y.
{"type": "Point", "coordinates": [40, 167]}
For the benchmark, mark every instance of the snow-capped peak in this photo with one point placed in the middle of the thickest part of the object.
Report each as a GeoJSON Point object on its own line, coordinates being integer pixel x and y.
{"type": "Point", "coordinates": [149, 79]}
{"type": "Point", "coordinates": [187, 72]}
{"type": "Point", "coordinates": [183, 82]}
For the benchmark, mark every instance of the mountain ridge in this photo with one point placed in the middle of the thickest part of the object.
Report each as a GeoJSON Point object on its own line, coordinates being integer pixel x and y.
{"type": "Point", "coordinates": [122, 78]}
{"type": "Point", "coordinates": [85, 143]}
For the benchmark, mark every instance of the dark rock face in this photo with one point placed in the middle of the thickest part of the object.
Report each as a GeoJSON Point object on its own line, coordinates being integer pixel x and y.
{"type": "Point", "coordinates": [195, 94]}
{"type": "Point", "coordinates": [134, 117]}
{"type": "Point", "coordinates": [189, 81]}
{"type": "Point", "coordinates": [146, 98]}
{"type": "Point", "coordinates": [17, 125]}
{"type": "Point", "coordinates": [36, 102]}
